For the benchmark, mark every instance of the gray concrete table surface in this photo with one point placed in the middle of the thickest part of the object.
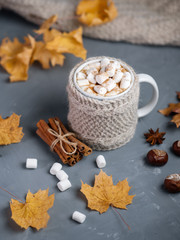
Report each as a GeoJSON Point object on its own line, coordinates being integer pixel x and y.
{"type": "Point", "coordinates": [154, 213]}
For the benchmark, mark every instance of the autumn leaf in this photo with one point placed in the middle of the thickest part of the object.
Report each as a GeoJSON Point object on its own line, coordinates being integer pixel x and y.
{"type": "Point", "coordinates": [50, 35]}
{"type": "Point", "coordinates": [176, 120]}
{"type": "Point", "coordinates": [45, 56]}
{"type": "Point", "coordinates": [68, 43]}
{"type": "Point", "coordinates": [33, 212]}
{"type": "Point", "coordinates": [95, 12]}
{"type": "Point", "coordinates": [16, 56]}
{"type": "Point", "coordinates": [175, 109]}
{"type": "Point", "coordinates": [105, 193]}
{"type": "Point", "coordinates": [56, 43]}
{"type": "Point", "coordinates": [178, 95]}
{"type": "Point", "coordinates": [47, 24]}
{"type": "Point", "coordinates": [10, 132]}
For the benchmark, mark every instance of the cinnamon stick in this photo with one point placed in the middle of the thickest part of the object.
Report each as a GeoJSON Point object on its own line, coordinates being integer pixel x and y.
{"type": "Point", "coordinates": [81, 146]}
{"type": "Point", "coordinates": [67, 147]}
{"type": "Point", "coordinates": [46, 140]}
{"type": "Point", "coordinates": [53, 125]}
{"type": "Point", "coordinates": [49, 138]}
{"type": "Point", "coordinates": [43, 127]}
{"type": "Point", "coordinates": [77, 156]}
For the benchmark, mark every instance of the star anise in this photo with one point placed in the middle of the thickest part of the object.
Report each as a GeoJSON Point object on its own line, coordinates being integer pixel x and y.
{"type": "Point", "coordinates": [154, 137]}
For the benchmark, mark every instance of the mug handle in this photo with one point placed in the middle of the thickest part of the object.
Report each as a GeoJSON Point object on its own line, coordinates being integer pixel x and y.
{"type": "Point", "coordinates": [149, 107]}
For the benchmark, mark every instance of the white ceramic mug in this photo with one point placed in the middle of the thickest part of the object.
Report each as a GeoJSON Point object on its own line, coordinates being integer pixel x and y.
{"type": "Point", "coordinates": [106, 123]}
{"type": "Point", "coordinates": [142, 78]}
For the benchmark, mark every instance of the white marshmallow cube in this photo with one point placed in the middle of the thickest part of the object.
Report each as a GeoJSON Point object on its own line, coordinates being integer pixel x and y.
{"type": "Point", "coordinates": [109, 85]}
{"type": "Point", "coordinates": [100, 161]}
{"type": "Point", "coordinates": [86, 68]}
{"type": "Point", "coordinates": [78, 217]}
{"type": "Point", "coordinates": [99, 89]}
{"type": "Point", "coordinates": [31, 163]}
{"type": "Point", "coordinates": [83, 82]}
{"type": "Point", "coordinates": [56, 167]}
{"type": "Point", "coordinates": [110, 69]}
{"type": "Point", "coordinates": [92, 70]}
{"type": "Point", "coordinates": [64, 185]}
{"type": "Point", "coordinates": [127, 76]}
{"type": "Point", "coordinates": [103, 69]}
{"type": "Point", "coordinates": [117, 65]}
{"type": "Point", "coordinates": [118, 76]}
{"type": "Point", "coordinates": [104, 62]}
{"type": "Point", "coordinates": [90, 91]}
{"type": "Point", "coordinates": [81, 75]}
{"type": "Point", "coordinates": [100, 78]}
{"type": "Point", "coordinates": [84, 88]}
{"type": "Point", "coordinates": [97, 65]}
{"type": "Point", "coordinates": [91, 77]}
{"type": "Point", "coordinates": [125, 83]}
{"type": "Point", "coordinates": [112, 93]}
{"type": "Point", "coordinates": [62, 175]}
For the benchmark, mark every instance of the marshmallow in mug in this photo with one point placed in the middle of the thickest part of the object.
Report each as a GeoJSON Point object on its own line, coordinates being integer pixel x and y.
{"type": "Point", "coordinates": [104, 78]}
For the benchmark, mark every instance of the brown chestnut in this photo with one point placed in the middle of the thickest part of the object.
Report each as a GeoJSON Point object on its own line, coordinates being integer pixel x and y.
{"type": "Point", "coordinates": [157, 157]}
{"type": "Point", "coordinates": [176, 147]}
{"type": "Point", "coordinates": [172, 183]}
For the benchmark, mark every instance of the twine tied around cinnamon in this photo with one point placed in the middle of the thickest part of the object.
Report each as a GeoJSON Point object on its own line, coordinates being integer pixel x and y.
{"type": "Point", "coordinates": [62, 138]}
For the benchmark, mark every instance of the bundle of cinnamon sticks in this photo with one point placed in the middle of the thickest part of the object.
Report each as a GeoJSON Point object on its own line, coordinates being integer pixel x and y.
{"type": "Point", "coordinates": [65, 144]}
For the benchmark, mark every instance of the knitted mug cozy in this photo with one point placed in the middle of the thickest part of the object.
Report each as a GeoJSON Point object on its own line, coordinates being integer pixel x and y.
{"type": "Point", "coordinates": [103, 124]}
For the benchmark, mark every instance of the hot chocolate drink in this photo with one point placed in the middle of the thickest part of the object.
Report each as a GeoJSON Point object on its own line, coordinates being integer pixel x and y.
{"type": "Point", "coordinates": [103, 78]}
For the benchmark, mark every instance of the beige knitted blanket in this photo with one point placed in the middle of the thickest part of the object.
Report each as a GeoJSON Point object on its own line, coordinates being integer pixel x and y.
{"type": "Point", "coordinates": [139, 21]}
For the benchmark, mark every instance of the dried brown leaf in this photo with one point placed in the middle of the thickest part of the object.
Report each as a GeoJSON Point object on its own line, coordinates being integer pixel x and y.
{"type": "Point", "coordinates": [32, 213]}
{"type": "Point", "coordinates": [68, 43]}
{"type": "Point", "coordinates": [10, 132]}
{"type": "Point", "coordinates": [46, 24]}
{"type": "Point", "coordinates": [96, 12]}
{"type": "Point", "coordinates": [178, 95]}
{"type": "Point", "coordinates": [176, 120]}
{"type": "Point", "coordinates": [105, 193]}
{"type": "Point", "coordinates": [173, 108]}
{"type": "Point", "coordinates": [16, 56]}
{"type": "Point", "coordinates": [45, 56]}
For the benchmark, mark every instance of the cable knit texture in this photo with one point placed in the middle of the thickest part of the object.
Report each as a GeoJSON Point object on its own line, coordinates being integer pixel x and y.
{"type": "Point", "coordinates": [138, 21]}
{"type": "Point", "coordinates": [103, 124]}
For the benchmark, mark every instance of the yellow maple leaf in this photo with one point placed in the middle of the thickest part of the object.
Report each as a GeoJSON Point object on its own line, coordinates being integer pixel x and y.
{"type": "Point", "coordinates": [49, 35]}
{"type": "Point", "coordinates": [44, 56]}
{"type": "Point", "coordinates": [47, 24]}
{"type": "Point", "coordinates": [32, 213]}
{"type": "Point", "coordinates": [10, 132]}
{"type": "Point", "coordinates": [16, 56]}
{"type": "Point", "coordinates": [105, 193]}
{"type": "Point", "coordinates": [68, 43]}
{"type": "Point", "coordinates": [95, 12]}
